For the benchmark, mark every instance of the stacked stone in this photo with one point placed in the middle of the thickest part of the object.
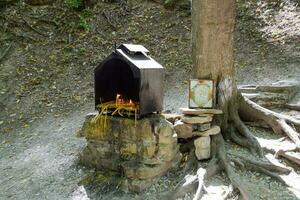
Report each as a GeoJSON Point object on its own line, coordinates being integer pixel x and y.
{"type": "Point", "coordinates": [141, 154]}
{"type": "Point", "coordinates": [196, 124]}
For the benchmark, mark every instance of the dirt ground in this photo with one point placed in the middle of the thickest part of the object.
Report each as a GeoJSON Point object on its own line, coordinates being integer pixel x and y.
{"type": "Point", "coordinates": [46, 89]}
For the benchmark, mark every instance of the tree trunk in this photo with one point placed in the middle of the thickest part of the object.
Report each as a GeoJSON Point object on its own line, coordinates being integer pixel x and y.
{"type": "Point", "coordinates": [212, 49]}
{"type": "Point", "coordinates": [212, 53]}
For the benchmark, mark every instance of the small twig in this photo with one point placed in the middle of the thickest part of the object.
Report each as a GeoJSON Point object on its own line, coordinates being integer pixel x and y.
{"type": "Point", "coordinates": [34, 29]}
{"type": "Point", "coordinates": [24, 36]}
{"type": "Point", "coordinates": [5, 51]}
{"type": "Point", "coordinates": [41, 19]}
{"type": "Point", "coordinates": [109, 21]}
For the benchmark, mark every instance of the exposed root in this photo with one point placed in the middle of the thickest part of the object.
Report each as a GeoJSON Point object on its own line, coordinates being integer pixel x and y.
{"type": "Point", "coordinates": [192, 183]}
{"type": "Point", "coordinates": [277, 121]}
{"type": "Point", "coordinates": [251, 143]}
{"type": "Point", "coordinates": [290, 132]}
{"type": "Point", "coordinates": [219, 162]}
{"type": "Point", "coordinates": [191, 163]}
{"type": "Point", "coordinates": [293, 106]}
{"type": "Point", "coordinates": [240, 134]}
{"type": "Point", "coordinates": [200, 175]}
{"type": "Point", "coordinates": [188, 184]}
{"type": "Point", "coordinates": [224, 161]}
{"type": "Point", "coordinates": [240, 140]}
{"type": "Point", "coordinates": [257, 168]}
{"type": "Point", "coordinates": [260, 124]}
{"type": "Point", "coordinates": [291, 156]}
{"type": "Point", "coordinates": [264, 164]}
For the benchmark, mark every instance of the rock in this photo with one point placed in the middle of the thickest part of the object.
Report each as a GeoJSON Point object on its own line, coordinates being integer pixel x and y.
{"type": "Point", "coordinates": [213, 131]}
{"type": "Point", "coordinates": [149, 150]}
{"type": "Point", "coordinates": [202, 147]}
{"type": "Point", "coordinates": [172, 117]}
{"type": "Point", "coordinates": [203, 127]}
{"type": "Point", "coordinates": [168, 139]}
{"type": "Point", "coordinates": [202, 154]}
{"type": "Point", "coordinates": [196, 120]}
{"type": "Point", "coordinates": [92, 159]}
{"type": "Point", "coordinates": [140, 185]}
{"type": "Point", "coordinates": [191, 111]}
{"type": "Point", "coordinates": [183, 130]}
{"type": "Point", "coordinates": [145, 151]}
{"type": "Point", "coordinates": [202, 142]}
{"type": "Point", "coordinates": [101, 149]}
{"type": "Point", "coordinates": [142, 171]}
{"type": "Point", "coordinates": [128, 149]}
{"type": "Point", "coordinates": [167, 152]}
{"type": "Point", "coordinates": [165, 129]}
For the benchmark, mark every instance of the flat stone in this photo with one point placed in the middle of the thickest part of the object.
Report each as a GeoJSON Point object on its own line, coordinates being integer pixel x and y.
{"type": "Point", "coordinates": [202, 142]}
{"type": "Point", "coordinates": [183, 130]}
{"type": "Point", "coordinates": [172, 117]}
{"type": "Point", "coordinates": [202, 147]}
{"type": "Point", "coordinates": [203, 127]}
{"type": "Point", "coordinates": [196, 120]}
{"type": "Point", "coordinates": [202, 154]}
{"type": "Point", "coordinates": [213, 131]}
{"type": "Point", "coordinates": [191, 111]}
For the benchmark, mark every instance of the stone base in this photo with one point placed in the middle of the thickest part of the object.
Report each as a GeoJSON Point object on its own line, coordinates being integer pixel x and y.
{"type": "Point", "coordinates": [142, 154]}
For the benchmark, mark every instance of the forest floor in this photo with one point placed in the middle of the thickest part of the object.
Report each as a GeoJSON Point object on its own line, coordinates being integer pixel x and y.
{"type": "Point", "coordinates": [46, 87]}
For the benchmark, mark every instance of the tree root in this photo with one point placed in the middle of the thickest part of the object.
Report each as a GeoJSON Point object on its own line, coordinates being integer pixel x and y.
{"type": "Point", "coordinates": [246, 138]}
{"type": "Point", "coordinates": [289, 156]}
{"type": "Point", "coordinates": [218, 163]}
{"type": "Point", "coordinates": [192, 183]}
{"type": "Point", "coordinates": [264, 164]}
{"type": "Point", "coordinates": [257, 168]}
{"type": "Point", "coordinates": [293, 106]}
{"type": "Point", "coordinates": [290, 132]}
{"type": "Point", "coordinates": [224, 161]}
{"type": "Point", "coordinates": [240, 134]}
{"type": "Point", "coordinates": [277, 121]}
{"type": "Point", "coordinates": [261, 167]}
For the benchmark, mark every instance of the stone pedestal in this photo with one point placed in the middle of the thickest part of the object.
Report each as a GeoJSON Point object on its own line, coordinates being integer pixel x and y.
{"type": "Point", "coordinates": [140, 152]}
{"type": "Point", "coordinates": [196, 125]}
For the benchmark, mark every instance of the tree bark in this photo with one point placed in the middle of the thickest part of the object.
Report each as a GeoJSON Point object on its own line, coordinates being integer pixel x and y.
{"type": "Point", "coordinates": [212, 49]}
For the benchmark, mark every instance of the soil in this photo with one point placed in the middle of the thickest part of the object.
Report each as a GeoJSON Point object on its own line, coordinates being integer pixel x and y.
{"type": "Point", "coordinates": [46, 87]}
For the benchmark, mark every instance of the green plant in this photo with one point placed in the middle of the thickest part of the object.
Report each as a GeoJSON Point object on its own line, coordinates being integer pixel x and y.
{"type": "Point", "coordinates": [83, 23]}
{"type": "Point", "coordinates": [75, 4]}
